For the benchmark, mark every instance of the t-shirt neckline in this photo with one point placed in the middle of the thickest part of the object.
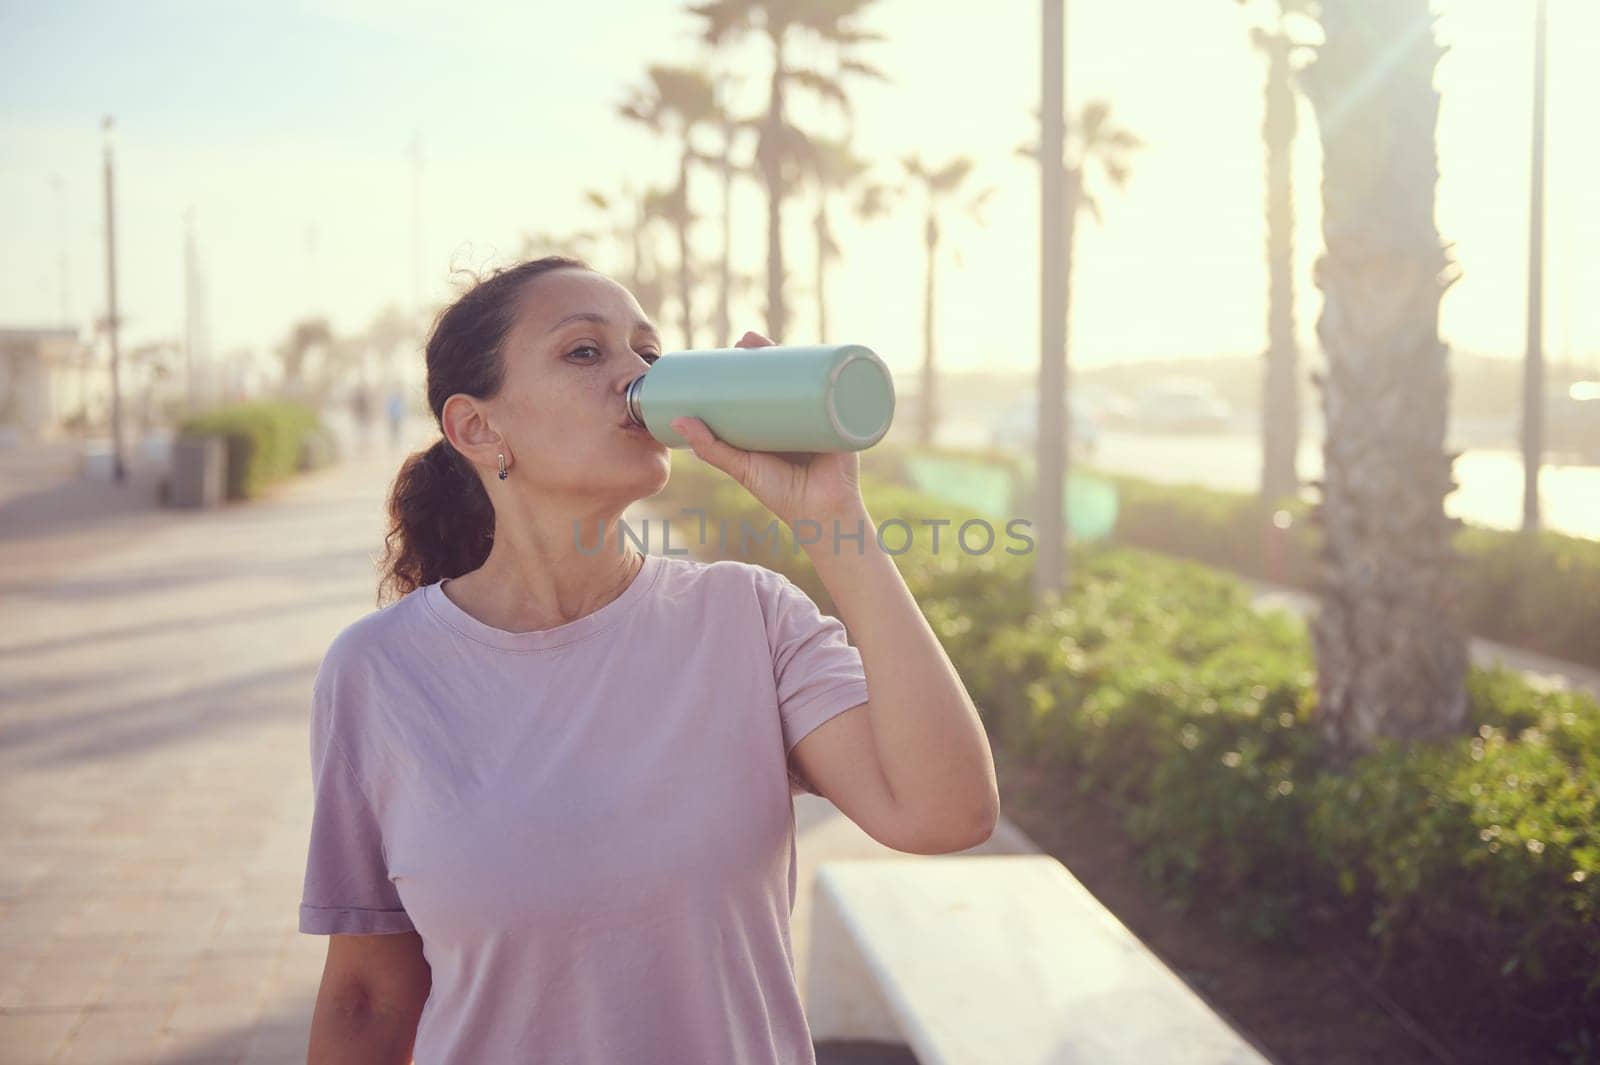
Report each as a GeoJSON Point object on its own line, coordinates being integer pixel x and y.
{"type": "Point", "coordinates": [446, 610]}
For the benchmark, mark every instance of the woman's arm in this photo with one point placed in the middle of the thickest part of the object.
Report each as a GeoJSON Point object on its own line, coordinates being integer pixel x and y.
{"type": "Point", "coordinates": [373, 989]}
{"type": "Point", "coordinates": [931, 746]}
{"type": "Point", "coordinates": [930, 741]}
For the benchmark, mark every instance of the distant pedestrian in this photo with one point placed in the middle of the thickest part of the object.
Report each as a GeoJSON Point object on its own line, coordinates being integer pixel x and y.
{"type": "Point", "coordinates": [397, 417]}
{"type": "Point", "coordinates": [361, 405]}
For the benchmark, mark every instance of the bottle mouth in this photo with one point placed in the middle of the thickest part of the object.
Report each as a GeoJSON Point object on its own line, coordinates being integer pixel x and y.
{"type": "Point", "coordinates": [634, 414]}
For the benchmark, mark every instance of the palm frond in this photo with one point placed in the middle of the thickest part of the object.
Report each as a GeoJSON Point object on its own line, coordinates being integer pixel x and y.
{"type": "Point", "coordinates": [976, 205]}
{"type": "Point", "coordinates": [1092, 118]}
{"type": "Point", "coordinates": [685, 92]}
{"type": "Point", "coordinates": [860, 69]}
{"type": "Point", "coordinates": [949, 177]}
{"type": "Point", "coordinates": [724, 20]}
{"type": "Point", "coordinates": [1088, 201]}
{"type": "Point", "coordinates": [873, 202]}
{"type": "Point", "coordinates": [821, 84]}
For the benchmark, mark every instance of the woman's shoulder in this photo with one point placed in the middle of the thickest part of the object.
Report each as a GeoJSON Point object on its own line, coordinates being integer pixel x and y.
{"type": "Point", "coordinates": [730, 584]}
{"type": "Point", "coordinates": [363, 643]}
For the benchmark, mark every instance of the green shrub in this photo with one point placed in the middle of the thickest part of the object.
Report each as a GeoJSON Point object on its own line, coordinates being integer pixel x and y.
{"type": "Point", "coordinates": [1542, 594]}
{"type": "Point", "coordinates": [267, 440]}
{"type": "Point", "coordinates": [1153, 684]}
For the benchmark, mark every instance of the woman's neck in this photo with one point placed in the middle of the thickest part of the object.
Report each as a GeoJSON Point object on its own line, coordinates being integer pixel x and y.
{"type": "Point", "coordinates": [531, 593]}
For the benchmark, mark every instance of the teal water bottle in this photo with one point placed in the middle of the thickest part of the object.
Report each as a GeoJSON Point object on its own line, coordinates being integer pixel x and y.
{"type": "Point", "coordinates": [825, 397]}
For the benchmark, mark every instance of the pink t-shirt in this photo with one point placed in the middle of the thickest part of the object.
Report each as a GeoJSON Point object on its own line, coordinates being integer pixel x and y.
{"type": "Point", "coordinates": [591, 826]}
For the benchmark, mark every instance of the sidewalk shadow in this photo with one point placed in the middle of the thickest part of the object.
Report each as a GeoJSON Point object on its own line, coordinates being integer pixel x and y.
{"type": "Point", "coordinates": [143, 630]}
{"type": "Point", "coordinates": [75, 503]}
{"type": "Point", "coordinates": [126, 727]}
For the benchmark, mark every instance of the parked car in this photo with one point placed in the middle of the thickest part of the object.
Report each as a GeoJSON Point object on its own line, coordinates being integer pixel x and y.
{"type": "Point", "coordinates": [1017, 427]}
{"type": "Point", "coordinates": [1183, 405]}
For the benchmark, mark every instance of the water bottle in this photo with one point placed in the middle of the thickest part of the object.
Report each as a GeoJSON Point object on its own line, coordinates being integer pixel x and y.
{"type": "Point", "coordinates": [826, 397]}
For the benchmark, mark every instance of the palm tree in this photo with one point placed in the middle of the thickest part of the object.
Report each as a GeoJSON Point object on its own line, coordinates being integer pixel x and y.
{"type": "Point", "coordinates": [833, 168]}
{"type": "Point", "coordinates": [307, 339]}
{"type": "Point", "coordinates": [626, 219]}
{"type": "Point", "coordinates": [1391, 662]}
{"type": "Point", "coordinates": [391, 329]}
{"type": "Point", "coordinates": [1280, 392]}
{"type": "Point", "coordinates": [780, 150]}
{"type": "Point", "coordinates": [938, 185]}
{"type": "Point", "coordinates": [1092, 138]}
{"type": "Point", "coordinates": [731, 129]}
{"type": "Point", "coordinates": [677, 102]}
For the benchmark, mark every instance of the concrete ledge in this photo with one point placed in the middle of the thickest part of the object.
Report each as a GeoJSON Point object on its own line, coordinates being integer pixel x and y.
{"type": "Point", "coordinates": [997, 959]}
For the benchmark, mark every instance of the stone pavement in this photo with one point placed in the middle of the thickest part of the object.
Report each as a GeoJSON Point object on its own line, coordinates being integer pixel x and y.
{"type": "Point", "coordinates": [154, 779]}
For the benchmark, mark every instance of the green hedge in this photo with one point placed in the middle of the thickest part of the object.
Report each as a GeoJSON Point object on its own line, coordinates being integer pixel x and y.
{"type": "Point", "coordinates": [267, 440]}
{"type": "Point", "coordinates": [1155, 685]}
{"type": "Point", "coordinates": [1542, 595]}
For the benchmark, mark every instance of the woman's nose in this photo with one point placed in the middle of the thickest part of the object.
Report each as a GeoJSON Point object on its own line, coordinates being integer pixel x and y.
{"type": "Point", "coordinates": [638, 366]}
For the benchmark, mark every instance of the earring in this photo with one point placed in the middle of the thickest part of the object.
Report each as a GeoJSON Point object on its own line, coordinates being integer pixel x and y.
{"type": "Point", "coordinates": [503, 474]}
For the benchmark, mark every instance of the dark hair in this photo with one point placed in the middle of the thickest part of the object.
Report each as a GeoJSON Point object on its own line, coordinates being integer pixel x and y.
{"type": "Point", "coordinates": [441, 522]}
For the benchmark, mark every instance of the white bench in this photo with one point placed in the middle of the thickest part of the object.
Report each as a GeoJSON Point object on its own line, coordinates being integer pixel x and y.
{"type": "Point", "coordinates": [1002, 959]}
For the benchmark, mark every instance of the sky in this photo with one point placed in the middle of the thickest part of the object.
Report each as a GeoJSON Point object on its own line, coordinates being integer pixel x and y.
{"type": "Point", "coordinates": [286, 128]}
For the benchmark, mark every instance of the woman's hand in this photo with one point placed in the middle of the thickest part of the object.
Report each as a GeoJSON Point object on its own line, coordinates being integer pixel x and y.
{"type": "Point", "coordinates": [793, 485]}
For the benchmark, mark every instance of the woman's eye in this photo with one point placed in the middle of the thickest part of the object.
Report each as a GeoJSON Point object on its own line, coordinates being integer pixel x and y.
{"type": "Point", "coordinates": [650, 356]}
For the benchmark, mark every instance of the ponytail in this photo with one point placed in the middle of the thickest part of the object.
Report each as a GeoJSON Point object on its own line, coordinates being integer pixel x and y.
{"type": "Point", "coordinates": [441, 523]}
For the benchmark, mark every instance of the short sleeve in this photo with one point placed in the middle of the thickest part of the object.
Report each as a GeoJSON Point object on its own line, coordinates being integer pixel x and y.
{"type": "Point", "coordinates": [347, 885]}
{"type": "Point", "coordinates": [817, 672]}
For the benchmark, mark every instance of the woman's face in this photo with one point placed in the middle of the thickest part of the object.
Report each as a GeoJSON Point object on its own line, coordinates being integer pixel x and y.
{"type": "Point", "coordinates": [578, 339]}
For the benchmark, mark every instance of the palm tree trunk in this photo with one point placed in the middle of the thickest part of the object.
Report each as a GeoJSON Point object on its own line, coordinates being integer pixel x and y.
{"type": "Point", "coordinates": [1073, 194]}
{"type": "Point", "coordinates": [772, 171]}
{"type": "Point", "coordinates": [1391, 659]}
{"type": "Point", "coordinates": [820, 224]}
{"type": "Point", "coordinates": [725, 272]}
{"type": "Point", "coordinates": [685, 265]}
{"type": "Point", "coordinates": [1280, 400]}
{"type": "Point", "coordinates": [929, 397]}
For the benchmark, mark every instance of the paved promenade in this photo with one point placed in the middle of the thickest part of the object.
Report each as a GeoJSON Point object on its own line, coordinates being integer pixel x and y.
{"type": "Point", "coordinates": [153, 768]}
{"type": "Point", "coordinates": [154, 786]}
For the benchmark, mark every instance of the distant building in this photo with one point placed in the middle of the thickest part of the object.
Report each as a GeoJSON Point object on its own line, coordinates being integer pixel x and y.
{"type": "Point", "coordinates": [47, 383]}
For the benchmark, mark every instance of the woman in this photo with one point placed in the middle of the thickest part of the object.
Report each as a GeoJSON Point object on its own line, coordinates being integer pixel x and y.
{"type": "Point", "coordinates": [553, 817]}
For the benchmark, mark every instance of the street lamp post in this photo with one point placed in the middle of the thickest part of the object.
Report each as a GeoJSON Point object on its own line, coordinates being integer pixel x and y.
{"type": "Point", "coordinates": [1049, 569]}
{"type": "Point", "coordinates": [1533, 365]}
{"type": "Point", "coordinates": [118, 470]}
